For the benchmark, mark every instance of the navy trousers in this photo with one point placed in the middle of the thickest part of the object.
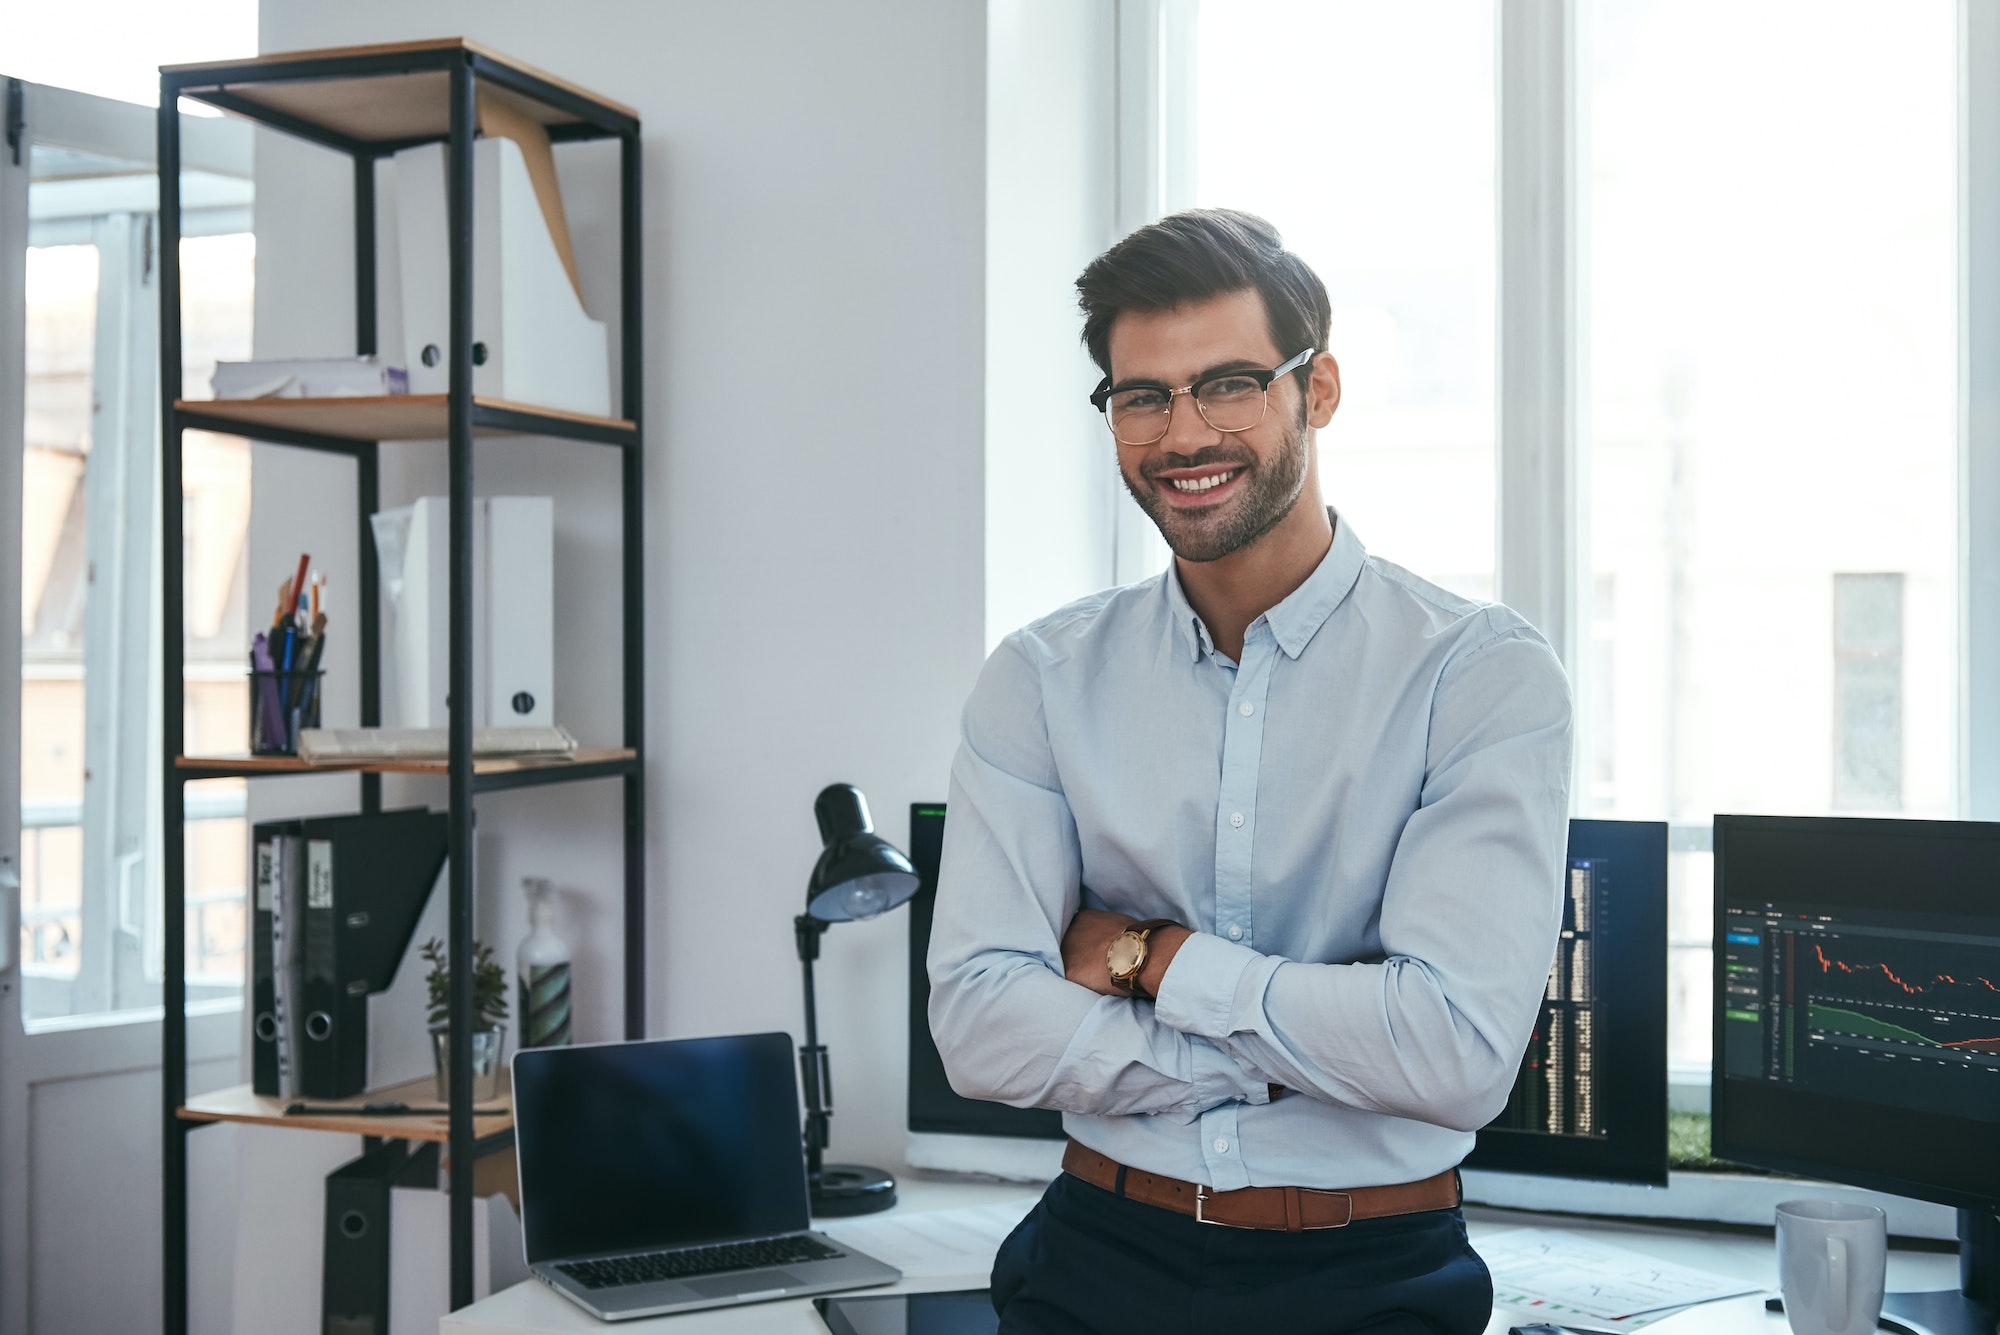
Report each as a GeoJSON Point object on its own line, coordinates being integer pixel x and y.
{"type": "Point", "coordinates": [1087, 1262]}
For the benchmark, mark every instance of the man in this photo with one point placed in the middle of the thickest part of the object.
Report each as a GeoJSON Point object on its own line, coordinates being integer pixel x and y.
{"type": "Point", "coordinates": [1253, 868]}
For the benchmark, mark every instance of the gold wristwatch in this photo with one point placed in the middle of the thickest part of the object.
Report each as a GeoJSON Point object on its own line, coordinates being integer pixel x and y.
{"type": "Point", "coordinates": [1128, 952]}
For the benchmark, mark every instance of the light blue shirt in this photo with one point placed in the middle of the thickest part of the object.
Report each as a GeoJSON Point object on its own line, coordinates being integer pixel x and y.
{"type": "Point", "coordinates": [1364, 823]}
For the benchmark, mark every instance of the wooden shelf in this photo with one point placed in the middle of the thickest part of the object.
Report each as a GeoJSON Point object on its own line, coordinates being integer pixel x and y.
{"type": "Point", "coordinates": [585, 758]}
{"type": "Point", "coordinates": [398, 417]}
{"type": "Point", "coordinates": [388, 107]}
{"type": "Point", "coordinates": [238, 1104]}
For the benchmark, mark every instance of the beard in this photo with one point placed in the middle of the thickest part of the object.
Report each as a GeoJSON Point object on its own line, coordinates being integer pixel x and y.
{"type": "Point", "coordinates": [1268, 495]}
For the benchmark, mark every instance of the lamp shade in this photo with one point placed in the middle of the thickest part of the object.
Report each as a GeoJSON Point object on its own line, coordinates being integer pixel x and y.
{"type": "Point", "coordinates": [859, 874]}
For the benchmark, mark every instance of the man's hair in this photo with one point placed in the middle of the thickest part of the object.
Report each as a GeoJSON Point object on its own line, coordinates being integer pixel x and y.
{"type": "Point", "coordinates": [1202, 253]}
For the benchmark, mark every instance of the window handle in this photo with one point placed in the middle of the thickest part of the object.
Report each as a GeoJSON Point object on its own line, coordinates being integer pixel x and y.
{"type": "Point", "coordinates": [10, 906]}
{"type": "Point", "coordinates": [128, 918]}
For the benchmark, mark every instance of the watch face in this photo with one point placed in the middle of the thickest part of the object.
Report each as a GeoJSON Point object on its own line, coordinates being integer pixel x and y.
{"type": "Point", "coordinates": [1124, 955]}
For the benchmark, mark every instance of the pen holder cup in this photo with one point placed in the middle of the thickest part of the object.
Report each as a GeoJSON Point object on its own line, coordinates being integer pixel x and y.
{"type": "Point", "coordinates": [281, 703]}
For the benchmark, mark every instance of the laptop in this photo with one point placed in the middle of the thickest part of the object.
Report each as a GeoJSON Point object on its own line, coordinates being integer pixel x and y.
{"type": "Point", "coordinates": [670, 1175]}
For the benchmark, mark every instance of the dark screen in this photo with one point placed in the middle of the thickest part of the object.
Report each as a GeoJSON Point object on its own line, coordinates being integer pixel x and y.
{"type": "Point", "coordinates": [967, 1312]}
{"type": "Point", "coordinates": [625, 1146]}
{"type": "Point", "coordinates": [934, 1106]}
{"type": "Point", "coordinates": [1590, 1099]}
{"type": "Point", "coordinates": [1857, 1002]}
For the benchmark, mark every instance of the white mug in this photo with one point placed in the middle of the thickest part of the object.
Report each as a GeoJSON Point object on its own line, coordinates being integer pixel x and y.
{"type": "Point", "coordinates": [1833, 1258]}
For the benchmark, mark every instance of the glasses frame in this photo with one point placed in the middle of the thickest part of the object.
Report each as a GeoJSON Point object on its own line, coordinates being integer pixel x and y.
{"type": "Point", "coordinates": [1100, 398]}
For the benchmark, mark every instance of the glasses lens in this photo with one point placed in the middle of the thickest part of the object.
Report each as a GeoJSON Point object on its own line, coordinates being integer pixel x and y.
{"type": "Point", "coordinates": [1231, 403]}
{"type": "Point", "coordinates": [1138, 416]}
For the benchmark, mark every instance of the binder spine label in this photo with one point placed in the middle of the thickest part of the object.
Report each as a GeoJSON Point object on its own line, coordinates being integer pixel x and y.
{"type": "Point", "coordinates": [267, 875]}
{"type": "Point", "coordinates": [319, 874]}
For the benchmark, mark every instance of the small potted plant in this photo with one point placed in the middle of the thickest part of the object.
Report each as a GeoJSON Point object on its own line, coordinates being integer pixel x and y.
{"type": "Point", "coordinates": [489, 1014]}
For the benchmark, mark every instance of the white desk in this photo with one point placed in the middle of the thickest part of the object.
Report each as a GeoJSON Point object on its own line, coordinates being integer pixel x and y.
{"type": "Point", "coordinates": [531, 1309]}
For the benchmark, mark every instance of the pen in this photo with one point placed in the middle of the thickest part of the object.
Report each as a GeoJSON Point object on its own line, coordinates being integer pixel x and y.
{"type": "Point", "coordinates": [377, 1110]}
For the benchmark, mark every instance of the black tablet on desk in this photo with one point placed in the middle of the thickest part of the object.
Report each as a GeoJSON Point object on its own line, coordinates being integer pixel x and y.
{"type": "Point", "coordinates": [961, 1312]}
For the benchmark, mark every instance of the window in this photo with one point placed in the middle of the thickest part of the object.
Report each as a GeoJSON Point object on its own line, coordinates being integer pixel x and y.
{"type": "Point", "coordinates": [1770, 281]}
{"type": "Point", "coordinates": [1365, 131]}
{"type": "Point", "coordinates": [92, 902]}
{"type": "Point", "coordinates": [1764, 235]}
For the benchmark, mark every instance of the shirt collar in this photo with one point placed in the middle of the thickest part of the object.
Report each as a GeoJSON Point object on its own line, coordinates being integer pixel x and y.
{"type": "Point", "coordinates": [1298, 618]}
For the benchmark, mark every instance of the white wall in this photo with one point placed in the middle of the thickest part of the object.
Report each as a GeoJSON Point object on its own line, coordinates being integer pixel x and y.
{"type": "Point", "coordinates": [827, 545]}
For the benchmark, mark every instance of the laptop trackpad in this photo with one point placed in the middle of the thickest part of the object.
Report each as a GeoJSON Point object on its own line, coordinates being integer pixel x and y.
{"type": "Point", "coordinates": [750, 1281]}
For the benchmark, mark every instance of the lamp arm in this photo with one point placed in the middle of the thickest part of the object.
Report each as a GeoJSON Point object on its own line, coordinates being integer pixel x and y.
{"type": "Point", "coordinates": [815, 1076]}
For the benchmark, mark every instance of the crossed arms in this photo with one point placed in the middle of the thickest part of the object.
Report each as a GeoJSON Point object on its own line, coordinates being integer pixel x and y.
{"type": "Point", "coordinates": [1023, 1012]}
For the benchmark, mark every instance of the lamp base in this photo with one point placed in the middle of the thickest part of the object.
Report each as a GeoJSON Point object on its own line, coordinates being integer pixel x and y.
{"type": "Point", "coordinates": [847, 1188]}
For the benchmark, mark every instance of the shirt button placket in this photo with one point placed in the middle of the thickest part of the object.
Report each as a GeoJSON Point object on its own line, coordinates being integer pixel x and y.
{"type": "Point", "coordinates": [1242, 754]}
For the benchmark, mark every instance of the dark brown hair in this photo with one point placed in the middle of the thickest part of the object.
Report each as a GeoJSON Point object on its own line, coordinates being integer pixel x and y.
{"type": "Point", "coordinates": [1202, 253]}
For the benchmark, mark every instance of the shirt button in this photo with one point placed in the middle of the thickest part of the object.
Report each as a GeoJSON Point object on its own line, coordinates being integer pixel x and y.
{"type": "Point", "coordinates": [1236, 819]}
{"type": "Point", "coordinates": [1235, 932]}
{"type": "Point", "coordinates": [1246, 709]}
{"type": "Point", "coordinates": [1221, 1145]}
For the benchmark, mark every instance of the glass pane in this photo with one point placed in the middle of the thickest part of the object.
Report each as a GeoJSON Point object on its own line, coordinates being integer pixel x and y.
{"type": "Point", "coordinates": [1365, 132]}
{"type": "Point", "coordinates": [85, 895]}
{"type": "Point", "coordinates": [218, 280]}
{"type": "Point", "coordinates": [1771, 294]}
{"type": "Point", "coordinates": [61, 331]}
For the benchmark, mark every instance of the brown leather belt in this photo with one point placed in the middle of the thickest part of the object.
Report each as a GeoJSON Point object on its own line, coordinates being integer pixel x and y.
{"type": "Point", "coordinates": [1286, 1209]}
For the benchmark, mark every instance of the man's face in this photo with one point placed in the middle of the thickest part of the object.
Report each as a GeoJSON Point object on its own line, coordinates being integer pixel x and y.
{"type": "Point", "coordinates": [1214, 492]}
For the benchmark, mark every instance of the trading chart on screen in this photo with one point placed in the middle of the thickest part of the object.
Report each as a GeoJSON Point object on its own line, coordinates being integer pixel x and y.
{"type": "Point", "coordinates": [1901, 1009]}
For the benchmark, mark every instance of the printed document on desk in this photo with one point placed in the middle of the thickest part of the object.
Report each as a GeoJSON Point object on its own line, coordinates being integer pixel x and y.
{"type": "Point", "coordinates": [937, 1244]}
{"type": "Point", "coordinates": [1585, 1284]}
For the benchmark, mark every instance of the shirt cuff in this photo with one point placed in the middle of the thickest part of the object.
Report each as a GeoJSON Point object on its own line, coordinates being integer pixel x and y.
{"type": "Point", "coordinates": [1198, 994]}
{"type": "Point", "coordinates": [1218, 1079]}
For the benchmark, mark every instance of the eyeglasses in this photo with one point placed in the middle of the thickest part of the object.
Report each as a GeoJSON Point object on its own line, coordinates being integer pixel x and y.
{"type": "Point", "coordinates": [1226, 400]}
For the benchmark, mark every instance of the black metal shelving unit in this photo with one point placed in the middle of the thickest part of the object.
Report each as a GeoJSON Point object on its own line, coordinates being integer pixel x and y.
{"type": "Point", "coordinates": [366, 103]}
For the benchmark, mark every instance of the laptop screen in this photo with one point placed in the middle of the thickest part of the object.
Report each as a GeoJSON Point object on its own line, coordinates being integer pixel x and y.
{"type": "Point", "coordinates": [628, 1146]}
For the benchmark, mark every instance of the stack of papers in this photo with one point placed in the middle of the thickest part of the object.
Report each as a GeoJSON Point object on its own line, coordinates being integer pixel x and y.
{"type": "Point", "coordinates": [322, 746]}
{"type": "Point", "coordinates": [1580, 1283]}
{"type": "Point", "coordinates": [937, 1244]}
{"type": "Point", "coordinates": [308, 378]}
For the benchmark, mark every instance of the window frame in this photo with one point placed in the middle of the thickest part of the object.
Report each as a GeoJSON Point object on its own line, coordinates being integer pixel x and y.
{"type": "Point", "coordinates": [1542, 525]}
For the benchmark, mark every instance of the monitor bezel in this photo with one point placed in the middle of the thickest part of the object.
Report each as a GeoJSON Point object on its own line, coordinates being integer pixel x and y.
{"type": "Point", "coordinates": [1736, 1143]}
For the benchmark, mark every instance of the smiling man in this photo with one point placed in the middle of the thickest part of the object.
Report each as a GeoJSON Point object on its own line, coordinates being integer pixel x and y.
{"type": "Point", "coordinates": [1252, 869]}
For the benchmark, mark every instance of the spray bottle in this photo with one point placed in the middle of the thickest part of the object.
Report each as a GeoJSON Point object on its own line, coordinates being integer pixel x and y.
{"type": "Point", "coordinates": [543, 963]}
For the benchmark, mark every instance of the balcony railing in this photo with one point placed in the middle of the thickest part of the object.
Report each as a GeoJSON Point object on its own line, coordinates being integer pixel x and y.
{"type": "Point", "coordinates": [50, 933]}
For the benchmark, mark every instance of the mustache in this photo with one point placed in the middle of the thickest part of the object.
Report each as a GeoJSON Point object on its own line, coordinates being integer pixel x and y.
{"type": "Point", "coordinates": [1208, 456]}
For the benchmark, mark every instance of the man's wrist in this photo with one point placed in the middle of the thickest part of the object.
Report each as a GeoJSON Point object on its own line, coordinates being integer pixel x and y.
{"type": "Point", "coordinates": [1161, 948]}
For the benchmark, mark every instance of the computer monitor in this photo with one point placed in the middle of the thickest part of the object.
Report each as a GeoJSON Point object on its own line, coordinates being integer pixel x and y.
{"type": "Point", "coordinates": [935, 1108]}
{"type": "Point", "coordinates": [1590, 1100]}
{"type": "Point", "coordinates": [1857, 1021]}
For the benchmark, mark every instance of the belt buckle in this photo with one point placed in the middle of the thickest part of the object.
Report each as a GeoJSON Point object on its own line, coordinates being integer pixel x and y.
{"type": "Point", "coordinates": [1200, 1198]}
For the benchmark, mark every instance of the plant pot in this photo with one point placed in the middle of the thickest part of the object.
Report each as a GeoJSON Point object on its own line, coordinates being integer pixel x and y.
{"type": "Point", "coordinates": [486, 1044]}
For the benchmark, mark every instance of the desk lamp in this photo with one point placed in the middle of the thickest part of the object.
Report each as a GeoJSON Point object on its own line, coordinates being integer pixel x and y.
{"type": "Point", "coordinates": [859, 875]}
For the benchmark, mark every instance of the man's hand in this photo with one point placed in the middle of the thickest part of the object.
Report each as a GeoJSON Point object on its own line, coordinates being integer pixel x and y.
{"type": "Point", "coordinates": [1089, 937]}
{"type": "Point", "coordinates": [1085, 941]}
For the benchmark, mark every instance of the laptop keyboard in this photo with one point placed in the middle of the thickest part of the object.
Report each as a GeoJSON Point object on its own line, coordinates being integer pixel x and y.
{"type": "Point", "coordinates": [652, 1267]}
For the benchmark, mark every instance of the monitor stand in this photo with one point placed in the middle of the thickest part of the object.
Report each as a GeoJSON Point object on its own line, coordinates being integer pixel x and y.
{"type": "Point", "coordinates": [1974, 1308]}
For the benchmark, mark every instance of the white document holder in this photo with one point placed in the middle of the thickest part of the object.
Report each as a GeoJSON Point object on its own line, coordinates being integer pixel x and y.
{"type": "Point", "coordinates": [513, 610]}
{"type": "Point", "coordinates": [539, 346]}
